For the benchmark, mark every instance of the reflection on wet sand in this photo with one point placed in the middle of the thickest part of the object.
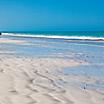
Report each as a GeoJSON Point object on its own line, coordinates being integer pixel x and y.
{"type": "Point", "coordinates": [56, 72]}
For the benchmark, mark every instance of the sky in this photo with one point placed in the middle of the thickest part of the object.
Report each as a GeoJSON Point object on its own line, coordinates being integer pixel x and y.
{"type": "Point", "coordinates": [51, 15]}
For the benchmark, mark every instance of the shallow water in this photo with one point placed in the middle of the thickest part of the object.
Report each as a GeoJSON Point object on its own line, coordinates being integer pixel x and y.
{"type": "Point", "coordinates": [87, 70]}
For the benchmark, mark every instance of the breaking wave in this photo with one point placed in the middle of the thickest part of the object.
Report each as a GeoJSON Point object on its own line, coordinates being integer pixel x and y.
{"type": "Point", "coordinates": [54, 36]}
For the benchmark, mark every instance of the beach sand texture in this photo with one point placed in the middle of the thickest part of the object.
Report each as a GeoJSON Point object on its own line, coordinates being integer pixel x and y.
{"type": "Point", "coordinates": [30, 81]}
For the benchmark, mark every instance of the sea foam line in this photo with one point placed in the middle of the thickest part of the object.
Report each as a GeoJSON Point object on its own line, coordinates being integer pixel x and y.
{"type": "Point", "coordinates": [54, 36]}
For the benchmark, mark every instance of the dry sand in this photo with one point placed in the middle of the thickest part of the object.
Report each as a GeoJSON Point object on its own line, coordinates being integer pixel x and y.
{"type": "Point", "coordinates": [25, 80]}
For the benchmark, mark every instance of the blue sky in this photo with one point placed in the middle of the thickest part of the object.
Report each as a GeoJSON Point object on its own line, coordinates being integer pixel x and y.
{"type": "Point", "coordinates": [51, 15]}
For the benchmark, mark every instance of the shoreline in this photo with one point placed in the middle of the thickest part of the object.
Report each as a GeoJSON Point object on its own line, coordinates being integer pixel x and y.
{"type": "Point", "coordinates": [37, 79]}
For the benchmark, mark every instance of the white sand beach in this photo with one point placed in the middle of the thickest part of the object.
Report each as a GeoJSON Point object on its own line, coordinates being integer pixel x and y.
{"type": "Point", "coordinates": [51, 51]}
{"type": "Point", "coordinates": [33, 80]}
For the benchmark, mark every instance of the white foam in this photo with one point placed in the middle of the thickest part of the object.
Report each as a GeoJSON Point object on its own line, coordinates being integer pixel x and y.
{"type": "Point", "coordinates": [54, 36]}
